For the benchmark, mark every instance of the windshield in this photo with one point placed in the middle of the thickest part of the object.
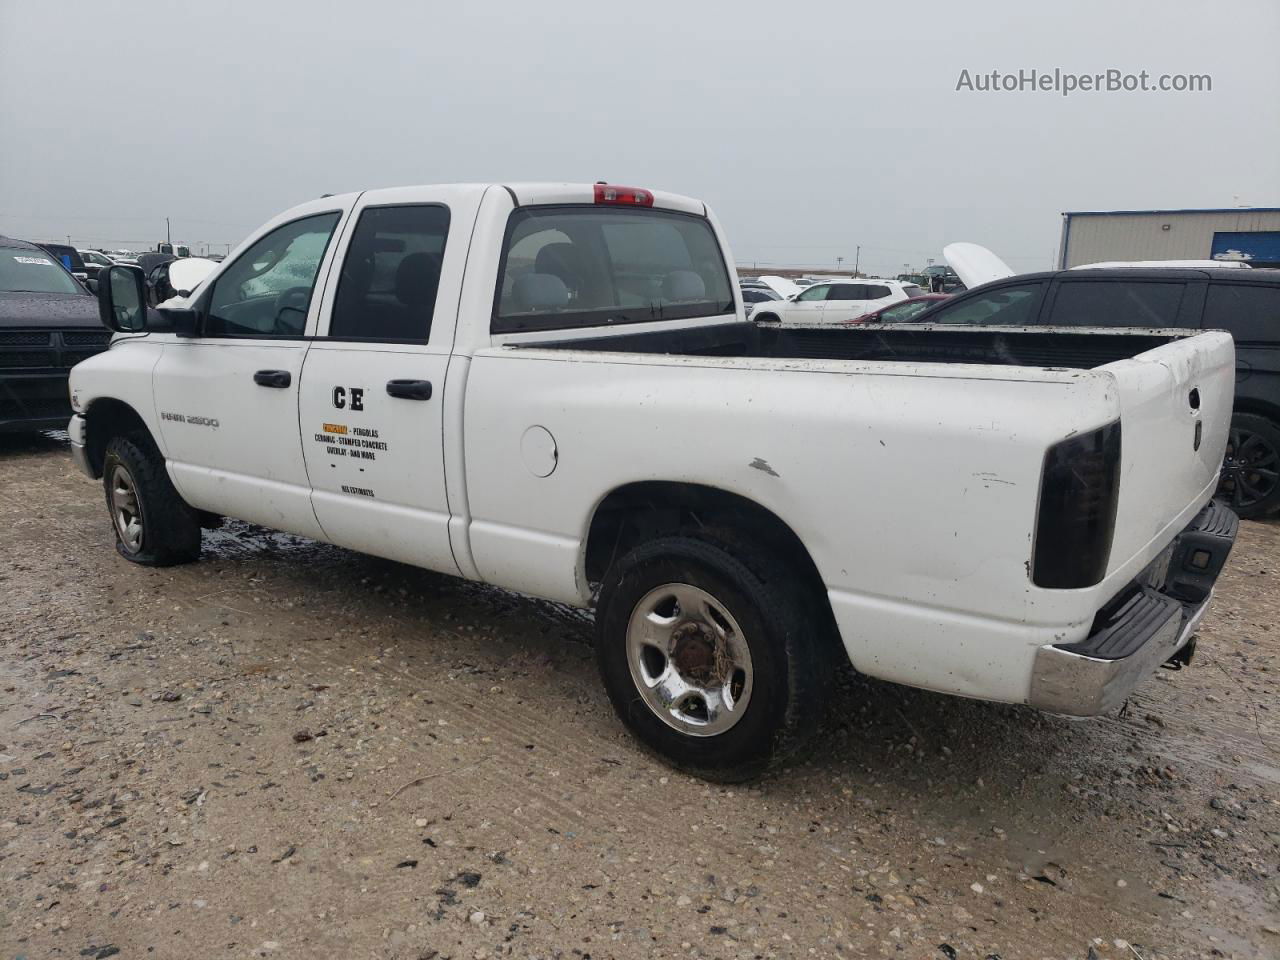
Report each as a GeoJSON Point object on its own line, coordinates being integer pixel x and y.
{"type": "Point", "coordinates": [33, 271]}
{"type": "Point", "coordinates": [905, 311]}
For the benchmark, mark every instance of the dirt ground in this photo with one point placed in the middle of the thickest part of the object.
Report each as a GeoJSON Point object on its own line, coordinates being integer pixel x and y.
{"type": "Point", "coordinates": [291, 750]}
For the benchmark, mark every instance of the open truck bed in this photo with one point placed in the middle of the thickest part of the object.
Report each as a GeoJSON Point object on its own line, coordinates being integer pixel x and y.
{"type": "Point", "coordinates": [1075, 347]}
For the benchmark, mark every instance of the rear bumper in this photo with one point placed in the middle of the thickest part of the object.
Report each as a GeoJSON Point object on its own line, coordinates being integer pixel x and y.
{"type": "Point", "coordinates": [1143, 627]}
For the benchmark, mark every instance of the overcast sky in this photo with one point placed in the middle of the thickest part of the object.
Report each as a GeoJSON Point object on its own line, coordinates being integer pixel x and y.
{"type": "Point", "coordinates": [811, 128]}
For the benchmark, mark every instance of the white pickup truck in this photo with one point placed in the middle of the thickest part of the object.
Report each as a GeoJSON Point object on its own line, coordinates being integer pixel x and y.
{"type": "Point", "coordinates": [550, 387]}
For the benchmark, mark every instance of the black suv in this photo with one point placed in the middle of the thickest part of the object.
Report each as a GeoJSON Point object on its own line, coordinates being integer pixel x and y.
{"type": "Point", "coordinates": [48, 324]}
{"type": "Point", "coordinates": [1245, 303]}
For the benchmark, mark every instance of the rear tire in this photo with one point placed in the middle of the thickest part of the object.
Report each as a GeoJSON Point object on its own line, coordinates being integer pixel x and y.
{"type": "Point", "coordinates": [1250, 482]}
{"type": "Point", "coordinates": [711, 655]}
{"type": "Point", "coordinates": [153, 525]}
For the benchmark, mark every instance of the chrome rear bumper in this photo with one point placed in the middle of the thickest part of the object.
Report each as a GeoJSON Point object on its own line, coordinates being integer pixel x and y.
{"type": "Point", "coordinates": [1145, 626]}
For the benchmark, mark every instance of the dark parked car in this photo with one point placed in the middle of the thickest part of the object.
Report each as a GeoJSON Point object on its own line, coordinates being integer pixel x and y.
{"type": "Point", "coordinates": [1245, 303]}
{"type": "Point", "coordinates": [48, 324]}
{"type": "Point", "coordinates": [69, 257]}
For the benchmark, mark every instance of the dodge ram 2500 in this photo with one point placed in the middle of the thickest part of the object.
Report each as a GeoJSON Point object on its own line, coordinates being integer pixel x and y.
{"type": "Point", "coordinates": [551, 387]}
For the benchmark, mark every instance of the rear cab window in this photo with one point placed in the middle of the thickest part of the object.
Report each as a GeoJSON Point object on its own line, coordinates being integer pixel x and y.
{"type": "Point", "coordinates": [583, 266]}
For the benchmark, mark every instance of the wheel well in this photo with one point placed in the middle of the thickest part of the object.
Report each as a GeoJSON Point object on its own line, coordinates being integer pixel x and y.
{"type": "Point", "coordinates": [770, 317]}
{"type": "Point", "coordinates": [639, 512]}
{"type": "Point", "coordinates": [107, 418]}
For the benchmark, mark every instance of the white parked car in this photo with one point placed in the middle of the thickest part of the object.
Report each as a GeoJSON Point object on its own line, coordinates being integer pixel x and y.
{"type": "Point", "coordinates": [837, 301]}
{"type": "Point", "coordinates": [551, 387]}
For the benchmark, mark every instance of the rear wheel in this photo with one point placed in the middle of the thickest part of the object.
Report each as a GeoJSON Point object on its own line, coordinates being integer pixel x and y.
{"type": "Point", "coordinates": [153, 525]}
{"type": "Point", "coordinates": [710, 655]}
{"type": "Point", "coordinates": [1250, 482]}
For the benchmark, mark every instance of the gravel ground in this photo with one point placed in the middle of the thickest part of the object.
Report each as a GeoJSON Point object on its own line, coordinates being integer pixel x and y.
{"type": "Point", "coordinates": [292, 750]}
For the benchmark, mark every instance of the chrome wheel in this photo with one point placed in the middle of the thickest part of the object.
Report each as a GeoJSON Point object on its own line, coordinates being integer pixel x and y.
{"type": "Point", "coordinates": [124, 508]}
{"type": "Point", "coordinates": [689, 660]}
{"type": "Point", "coordinates": [1251, 469]}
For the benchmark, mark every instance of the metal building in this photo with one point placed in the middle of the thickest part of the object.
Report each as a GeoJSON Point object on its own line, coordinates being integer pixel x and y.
{"type": "Point", "coordinates": [1251, 234]}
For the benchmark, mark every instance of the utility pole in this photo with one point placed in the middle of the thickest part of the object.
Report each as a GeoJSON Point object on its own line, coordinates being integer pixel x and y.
{"type": "Point", "coordinates": [857, 259]}
{"type": "Point", "coordinates": [839, 260]}
{"type": "Point", "coordinates": [167, 237]}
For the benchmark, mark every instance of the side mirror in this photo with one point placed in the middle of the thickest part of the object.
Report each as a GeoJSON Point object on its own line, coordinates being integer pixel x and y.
{"type": "Point", "coordinates": [92, 284]}
{"type": "Point", "coordinates": [122, 299]}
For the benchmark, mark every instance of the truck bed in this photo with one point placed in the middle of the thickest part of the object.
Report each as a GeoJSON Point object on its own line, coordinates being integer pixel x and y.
{"type": "Point", "coordinates": [1077, 348]}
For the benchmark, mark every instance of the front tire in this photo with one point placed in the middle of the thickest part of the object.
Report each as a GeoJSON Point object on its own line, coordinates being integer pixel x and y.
{"type": "Point", "coordinates": [710, 655]}
{"type": "Point", "coordinates": [153, 525]}
{"type": "Point", "coordinates": [1250, 482]}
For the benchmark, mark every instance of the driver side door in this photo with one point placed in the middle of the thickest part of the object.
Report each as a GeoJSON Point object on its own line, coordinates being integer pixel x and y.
{"type": "Point", "coordinates": [227, 399]}
{"type": "Point", "coordinates": [809, 304]}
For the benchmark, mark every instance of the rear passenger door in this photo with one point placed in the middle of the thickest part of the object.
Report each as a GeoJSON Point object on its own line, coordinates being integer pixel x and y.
{"type": "Point", "coordinates": [372, 401]}
{"type": "Point", "coordinates": [844, 302]}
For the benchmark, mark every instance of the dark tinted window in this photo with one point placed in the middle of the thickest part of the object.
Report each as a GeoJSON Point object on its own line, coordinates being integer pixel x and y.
{"type": "Point", "coordinates": [267, 290]}
{"type": "Point", "coordinates": [757, 296]}
{"type": "Point", "coordinates": [1245, 311]}
{"type": "Point", "coordinates": [1116, 303]}
{"type": "Point", "coordinates": [583, 266]}
{"type": "Point", "coordinates": [25, 270]}
{"type": "Point", "coordinates": [875, 291]}
{"type": "Point", "coordinates": [387, 288]}
{"type": "Point", "coordinates": [1006, 306]}
{"type": "Point", "coordinates": [847, 291]}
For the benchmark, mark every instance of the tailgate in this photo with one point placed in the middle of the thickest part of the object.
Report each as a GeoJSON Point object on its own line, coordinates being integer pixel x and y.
{"type": "Point", "coordinates": [1175, 411]}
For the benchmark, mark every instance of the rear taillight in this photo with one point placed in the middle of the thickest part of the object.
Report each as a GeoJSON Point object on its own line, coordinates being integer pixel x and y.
{"type": "Point", "coordinates": [1079, 491]}
{"type": "Point", "coordinates": [624, 196]}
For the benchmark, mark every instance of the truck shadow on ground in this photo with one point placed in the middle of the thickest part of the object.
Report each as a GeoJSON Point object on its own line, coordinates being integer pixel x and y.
{"type": "Point", "coordinates": [929, 743]}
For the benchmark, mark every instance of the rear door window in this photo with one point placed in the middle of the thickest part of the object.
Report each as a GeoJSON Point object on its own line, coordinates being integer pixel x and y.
{"type": "Point", "coordinates": [1246, 311]}
{"type": "Point", "coordinates": [387, 287]}
{"type": "Point", "coordinates": [847, 291]}
{"type": "Point", "coordinates": [876, 291]}
{"type": "Point", "coordinates": [1116, 303]}
{"type": "Point", "coordinates": [1015, 306]}
{"type": "Point", "coordinates": [569, 267]}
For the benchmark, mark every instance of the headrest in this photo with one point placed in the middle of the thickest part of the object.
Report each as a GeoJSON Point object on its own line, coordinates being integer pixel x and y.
{"type": "Point", "coordinates": [683, 285]}
{"type": "Point", "coordinates": [540, 291]}
{"type": "Point", "coordinates": [561, 260]}
{"type": "Point", "coordinates": [417, 278]}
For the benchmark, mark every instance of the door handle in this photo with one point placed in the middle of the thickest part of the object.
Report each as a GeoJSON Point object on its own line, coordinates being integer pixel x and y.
{"type": "Point", "coordinates": [409, 389]}
{"type": "Point", "coordinates": [273, 378]}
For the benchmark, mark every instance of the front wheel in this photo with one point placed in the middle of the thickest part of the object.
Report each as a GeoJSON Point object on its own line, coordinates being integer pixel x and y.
{"type": "Point", "coordinates": [1250, 482]}
{"type": "Point", "coordinates": [153, 525]}
{"type": "Point", "coordinates": [710, 656]}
